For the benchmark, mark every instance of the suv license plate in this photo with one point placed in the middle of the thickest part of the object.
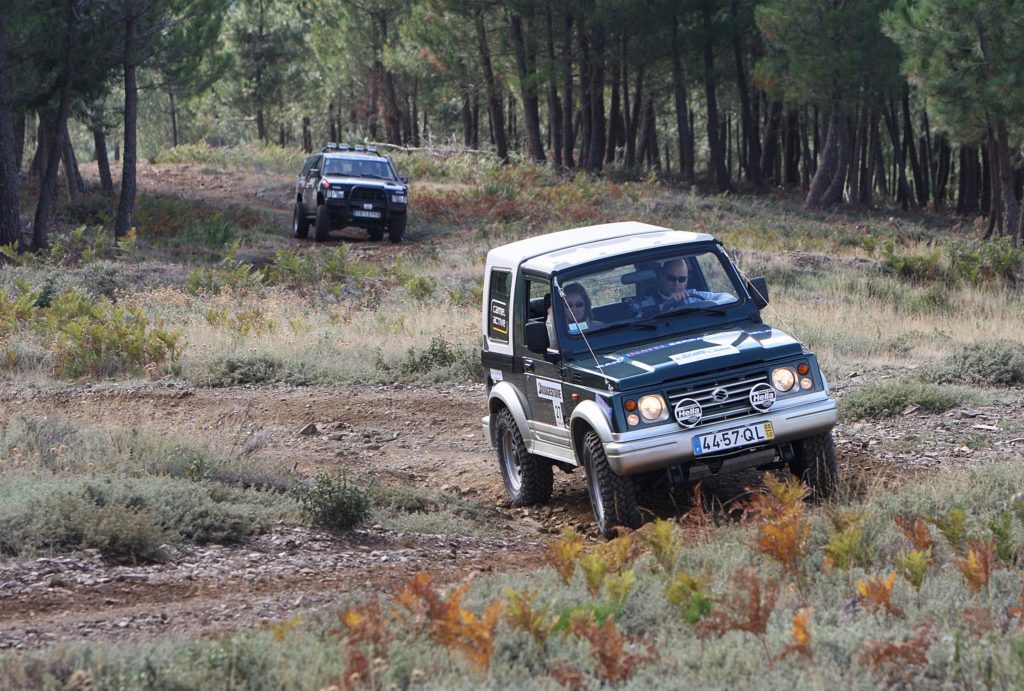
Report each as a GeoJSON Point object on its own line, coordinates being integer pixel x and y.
{"type": "Point", "coordinates": [358, 213]}
{"type": "Point", "coordinates": [732, 438]}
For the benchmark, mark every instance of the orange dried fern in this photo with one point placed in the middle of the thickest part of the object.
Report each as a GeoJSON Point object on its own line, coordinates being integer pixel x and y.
{"type": "Point", "coordinates": [563, 553]}
{"type": "Point", "coordinates": [783, 530]}
{"type": "Point", "coordinates": [916, 531]}
{"type": "Point", "coordinates": [521, 613]}
{"type": "Point", "coordinates": [447, 622]}
{"type": "Point", "coordinates": [746, 607]}
{"type": "Point", "coordinates": [889, 656]}
{"type": "Point", "coordinates": [609, 647]}
{"type": "Point", "coordinates": [801, 644]}
{"type": "Point", "coordinates": [876, 594]}
{"type": "Point", "coordinates": [976, 567]}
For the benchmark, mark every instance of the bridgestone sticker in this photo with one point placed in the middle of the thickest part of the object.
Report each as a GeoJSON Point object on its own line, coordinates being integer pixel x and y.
{"type": "Point", "coordinates": [496, 375]}
{"type": "Point", "coordinates": [549, 390]}
{"type": "Point", "coordinates": [702, 354]}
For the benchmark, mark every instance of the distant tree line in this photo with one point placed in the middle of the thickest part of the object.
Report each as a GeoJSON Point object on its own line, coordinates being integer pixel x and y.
{"type": "Point", "coordinates": [913, 102]}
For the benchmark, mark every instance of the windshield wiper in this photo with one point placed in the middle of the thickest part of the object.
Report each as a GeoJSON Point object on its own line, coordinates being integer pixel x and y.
{"type": "Point", "coordinates": [647, 325]}
{"type": "Point", "coordinates": [683, 309]}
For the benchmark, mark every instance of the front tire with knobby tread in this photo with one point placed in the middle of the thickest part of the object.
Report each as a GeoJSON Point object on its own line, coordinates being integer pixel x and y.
{"type": "Point", "coordinates": [323, 224]}
{"type": "Point", "coordinates": [396, 229]}
{"type": "Point", "coordinates": [528, 478]}
{"type": "Point", "coordinates": [612, 496]}
{"type": "Point", "coordinates": [814, 464]}
{"type": "Point", "coordinates": [300, 223]}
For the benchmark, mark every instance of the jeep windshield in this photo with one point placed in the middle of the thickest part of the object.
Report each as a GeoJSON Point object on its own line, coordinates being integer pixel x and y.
{"type": "Point", "coordinates": [644, 294]}
{"type": "Point", "coordinates": [358, 168]}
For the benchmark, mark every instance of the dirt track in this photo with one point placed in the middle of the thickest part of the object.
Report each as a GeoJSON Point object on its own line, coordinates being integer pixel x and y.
{"type": "Point", "coordinates": [423, 437]}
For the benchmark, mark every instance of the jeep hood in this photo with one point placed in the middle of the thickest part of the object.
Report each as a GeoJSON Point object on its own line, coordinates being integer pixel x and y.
{"type": "Point", "coordinates": [676, 357]}
{"type": "Point", "coordinates": [391, 185]}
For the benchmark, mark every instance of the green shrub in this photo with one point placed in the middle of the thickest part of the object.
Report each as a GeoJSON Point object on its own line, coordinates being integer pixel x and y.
{"type": "Point", "coordinates": [334, 502]}
{"type": "Point", "coordinates": [439, 361]}
{"type": "Point", "coordinates": [886, 399]}
{"type": "Point", "coordinates": [242, 369]}
{"type": "Point", "coordinates": [128, 518]}
{"type": "Point", "coordinates": [1000, 363]}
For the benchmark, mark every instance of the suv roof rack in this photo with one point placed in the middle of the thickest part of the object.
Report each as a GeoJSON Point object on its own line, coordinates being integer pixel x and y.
{"type": "Point", "coordinates": [335, 146]}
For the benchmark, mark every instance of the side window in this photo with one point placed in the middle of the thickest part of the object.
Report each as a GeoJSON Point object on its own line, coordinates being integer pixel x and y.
{"type": "Point", "coordinates": [498, 305]}
{"type": "Point", "coordinates": [538, 300]}
{"type": "Point", "coordinates": [314, 163]}
{"type": "Point", "coordinates": [306, 166]}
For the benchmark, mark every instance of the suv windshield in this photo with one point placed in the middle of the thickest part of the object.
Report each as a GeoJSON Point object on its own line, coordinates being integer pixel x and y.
{"type": "Point", "coordinates": [642, 292]}
{"type": "Point", "coordinates": [357, 167]}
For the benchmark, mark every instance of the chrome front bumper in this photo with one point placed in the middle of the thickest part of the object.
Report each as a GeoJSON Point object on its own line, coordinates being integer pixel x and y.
{"type": "Point", "coordinates": [664, 446]}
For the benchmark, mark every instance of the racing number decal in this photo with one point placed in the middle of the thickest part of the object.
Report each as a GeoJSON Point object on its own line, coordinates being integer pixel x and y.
{"type": "Point", "coordinates": [552, 391]}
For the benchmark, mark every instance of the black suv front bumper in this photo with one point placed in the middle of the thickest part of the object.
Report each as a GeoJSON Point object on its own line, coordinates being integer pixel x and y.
{"type": "Point", "coordinates": [364, 207]}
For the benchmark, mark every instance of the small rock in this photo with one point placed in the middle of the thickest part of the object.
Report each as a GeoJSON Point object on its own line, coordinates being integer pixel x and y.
{"type": "Point", "coordinates": [911, 409]}
{"type": "Point", "coordinates": [987, 428]}
{"type": "Point", "coordinates": [309, 429]}
{"type": "Point", "coordinates": [371, 447]}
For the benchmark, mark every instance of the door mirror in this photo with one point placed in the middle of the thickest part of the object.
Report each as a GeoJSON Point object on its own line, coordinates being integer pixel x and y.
{"type": "Point", "coordinates": [404, 178]}
{"type": "Point", "coordinates": [758, 289]}
{"type": "Point", "coordinates": [537, 337]}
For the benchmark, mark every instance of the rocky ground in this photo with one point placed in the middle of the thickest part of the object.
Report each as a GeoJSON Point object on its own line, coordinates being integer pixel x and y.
{"type": "Point", "coordinates": [416, 436]}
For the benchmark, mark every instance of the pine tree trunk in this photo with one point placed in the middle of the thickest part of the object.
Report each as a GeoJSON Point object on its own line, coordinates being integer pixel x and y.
{"type": "Point", "coordinates": [679, 96]}
{"type": "Point", "coordinates": [467, 118]}
{"type": "Point", "coordinates": [76, 185]}
{"type": "Point", "coordinates": [493, 97]}
{"type": "Point", "coordinates": [554, 105]}
{"type": "Point", "coordinates": [853, 176]}
{"type": "Point", "coordinates": [941, 177]}
{"type": "Point", "coordinates": [827, 166]}
{"type": "Point", "coordinates": [614, 116]}
{"type": "Point", "coordinates": [597, 120]}
{"type": "Point", "coordinates": [126, 204]}
{"type": "Point", "coordinates": [10, 219]}
{"type": "Point", "coordinates": [174, 120]}
{"type": "Point", "coordinates": [99, 138]}
{"type": "Point", "coordinates": [583, 128]}
{"type": "Point", "coordinates": [900, 168]}
{"type": "Point", "coordinates": [716, 152]}
{"type": "Point", "coordinates": [1003, 154]}
{"type": "Point", "coordinates": [527, 88]}
{"type": "Point", "coordinates": [751, 158]}
{"type": "Point", "coordinates": [834, 193]}
{"type": "Point", "coordinates": [633, 143]}
{"type": "Point", "coordinates": [48, 184]}
{"type": "Point", "coordinates": [920, 186]}
{"type": "Point", "coordinates": [568, 137]}
{"type": "Point", "coordinates": [791, 175]}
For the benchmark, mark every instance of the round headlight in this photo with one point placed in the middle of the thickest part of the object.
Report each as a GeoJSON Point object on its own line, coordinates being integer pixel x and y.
{"type": "Point", "coordinates": [651, 407]}
{"type": "Point", "coordinates": [783, 379]}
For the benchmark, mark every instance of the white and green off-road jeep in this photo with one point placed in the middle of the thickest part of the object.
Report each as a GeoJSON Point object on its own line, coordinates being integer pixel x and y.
{"type": "Point", "coordinates": [639, 352]}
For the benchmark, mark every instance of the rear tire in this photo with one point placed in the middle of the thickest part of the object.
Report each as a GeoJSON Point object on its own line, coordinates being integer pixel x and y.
{"type": "Point", "coordinates": [323, 224]}
{"type": "Point", "coordinates": [814, 464]}
{"type": "Point", "coordinates": [528, 478]}
{"type": "Point", "coordinates": [612, 497]}
{"type": "Point", "coordinates": [396, 229]}
{"type": "Point", "coordinates": [300, 223]}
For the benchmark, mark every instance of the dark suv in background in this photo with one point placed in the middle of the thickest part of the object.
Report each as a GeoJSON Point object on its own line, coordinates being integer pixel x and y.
{"type": "Point", "coordinates": [350, 186]}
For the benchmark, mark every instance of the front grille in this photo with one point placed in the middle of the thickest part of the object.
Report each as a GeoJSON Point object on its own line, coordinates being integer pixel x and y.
{"type": "Point", "coordinates": [367, 194]}
{"type": "Point", "coordinates": [736, 402]}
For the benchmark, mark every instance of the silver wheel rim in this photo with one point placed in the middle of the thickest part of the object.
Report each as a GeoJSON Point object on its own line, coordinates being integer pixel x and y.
{"type": "Point", "coordinates": [510, 459]}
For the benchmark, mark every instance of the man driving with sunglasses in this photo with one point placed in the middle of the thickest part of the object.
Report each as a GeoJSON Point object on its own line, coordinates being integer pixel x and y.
{"type": "Point", "coordinates": [673, 289]}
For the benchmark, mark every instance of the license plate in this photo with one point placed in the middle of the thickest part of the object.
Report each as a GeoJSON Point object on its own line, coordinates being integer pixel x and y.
{"type": "Point", "coordinates": [366, 214]}
{"type": "Point", "coordinates": [727, 439]}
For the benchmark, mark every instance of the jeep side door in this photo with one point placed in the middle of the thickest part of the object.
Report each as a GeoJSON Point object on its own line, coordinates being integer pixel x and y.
{"type": "Point", "coordinates": [309, 187]}
{"type": "Point", "coordinates": [542, 380]}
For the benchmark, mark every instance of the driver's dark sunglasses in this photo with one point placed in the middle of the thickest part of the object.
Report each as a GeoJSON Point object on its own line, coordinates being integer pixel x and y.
{"type": "Point", "coordinates": [677, 279]}
{"type": "Point", "coordinates": [577, 305]}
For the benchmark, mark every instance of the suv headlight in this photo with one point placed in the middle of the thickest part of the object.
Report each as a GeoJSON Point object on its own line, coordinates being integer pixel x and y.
{"type": "Point", "coordinates": [399, 199]}
{"type": "Point", "coordinates": [783, 379]}
{"type": "Point", "coordinates": [652, 408]}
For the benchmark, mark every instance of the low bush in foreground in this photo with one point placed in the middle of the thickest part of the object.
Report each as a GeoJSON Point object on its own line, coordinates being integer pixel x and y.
{"type": "Point", "coordinates": [918, 588]}
{"type": "Point", "coordinates": [1000, 363]}
{"type": "Point", "coordinates": [333, 502]}
{"type": "Point", "coordinates": [887, 399]}
{"type": "Point", "coordinates": [128, 518]}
